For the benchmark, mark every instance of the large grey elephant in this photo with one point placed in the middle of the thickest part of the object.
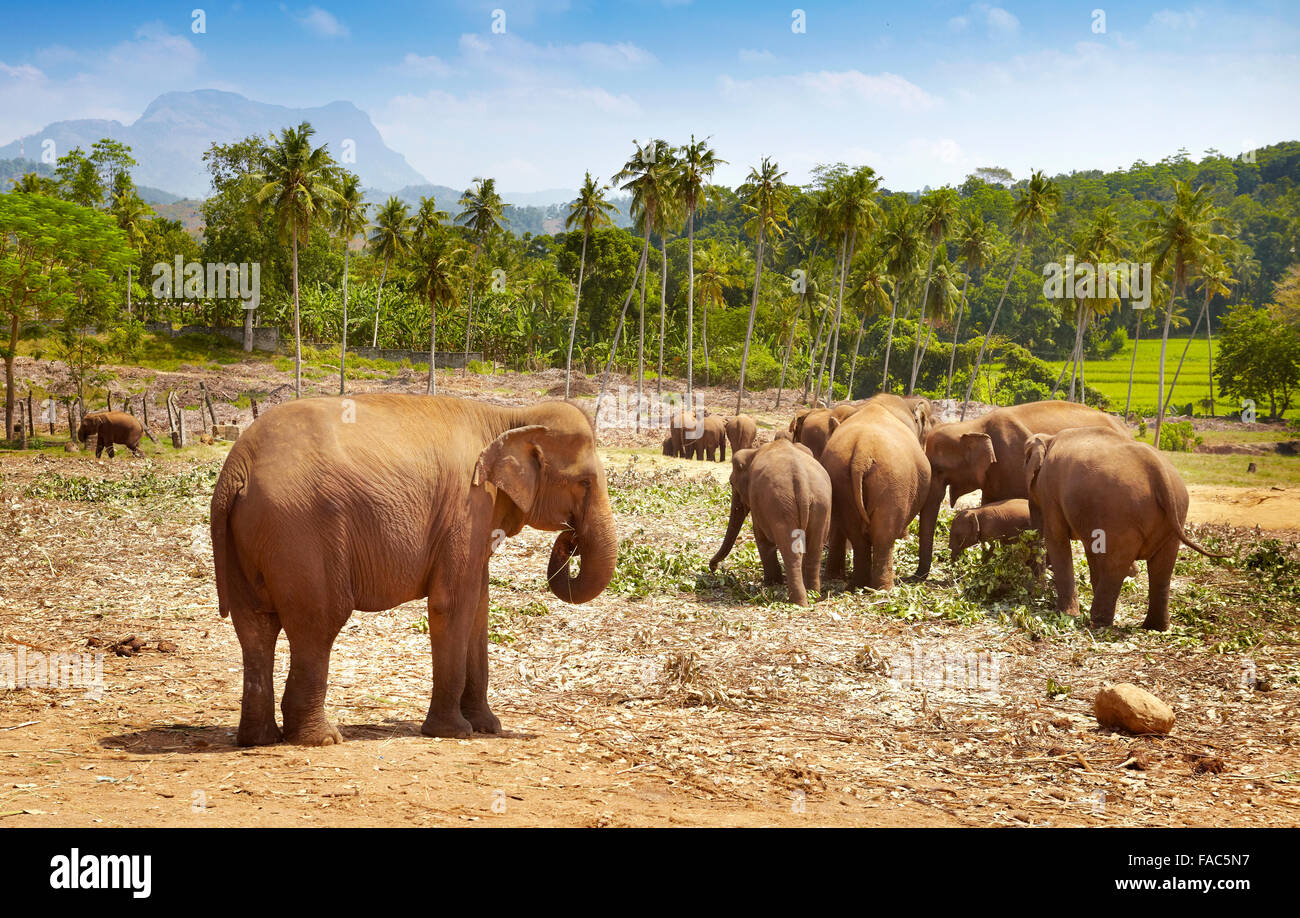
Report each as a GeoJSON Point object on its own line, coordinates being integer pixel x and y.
{"type": "Point", "coordinates": [329, 505]}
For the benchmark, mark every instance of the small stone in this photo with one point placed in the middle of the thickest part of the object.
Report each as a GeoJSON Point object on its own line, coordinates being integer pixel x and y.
{"type": "Point", "coordinates": [1135, 710]}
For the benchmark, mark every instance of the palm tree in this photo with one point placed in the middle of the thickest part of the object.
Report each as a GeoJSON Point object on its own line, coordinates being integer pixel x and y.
{"type": "Point", "coordinates": [428, 220]}
{"type": "Point", "coordinates": [766, 198]}
{"type": "Point", "coordinates": [482, 212]}
{"type": "Point", "coordinates": [1216, 280]}
{"type": "Point", "coordinates": [975, 249]}
{"type": "Point", "coordinates": [712, 280]}
{"type": "Point", "coordinates": [696, 163]}
{"type": "Point", "coordinates": [436, 256]}
{"type": "Point", "coordinates": [391, 238]}
{"type": "Point", "coordinates": [647, 180]}
{"type": "Point", "coordinates": [1178, 236]}
{"type": "Point", "coordinates": [1100, 241]}
{"type": "Point", "coordinates": [130, 213]}
{"type": "Point", "coordinates": [806, 242]}
{"type": "Point", "coordinates": [901, 241]}
{"type": "Point", "coordinates": [296, 179]}
{"type": "Point", "coordinates": [349, 219]}
{"type": "Point", "coordinates": [588, 210]}
{"type": "Point", "coordinates": [1038, 201]}
{"type": "Point", "coordinates": [854, 194]}
{"type": "Point", "coordinates": [938, 213]}
{"type": "Point", "coordinates": [668, 215]}
{"type": "Point", "coordinates": [868, 293]}
{"type": "Point", "coordinates": [1157, 298]}
{"type": "Point", "coordinates": [939, 303]}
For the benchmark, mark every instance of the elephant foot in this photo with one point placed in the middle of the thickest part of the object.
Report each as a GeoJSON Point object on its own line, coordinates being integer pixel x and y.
{"type": "Point", "coordinates": [483, 721]}
{"type": "Point", "coordinates": [263, 734]}
{"type": "Point", "coordinates": [450, 726]}
{"type": "Point", "coordinates": [316, 734]}
{"type": "Point", "coordinates": [1155, 624]}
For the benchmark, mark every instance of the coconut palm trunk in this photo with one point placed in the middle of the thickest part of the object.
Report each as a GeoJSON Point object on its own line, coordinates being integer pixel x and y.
{"type": "Point", "coordinates": [1137, 336]}
{"type": "Point", "coordinates": [839, 311]}
{"type": "Point", "coordinates": [1209, 340]}
{"type": "Point", "coordinates": [1164, 349]}
{"type": "Point", "coordinates": [297, 330]}
{"type": "Point", "coordinates": [573, 326]}
{"type": "Point", "coordinates": [343, 349]}
{"type": "Point", "coordinates": [640, 356]}
{"type": "Point", "coordinates": [1188, 346]}
{"type": "Point", "coordinates": [432, 387]}
{"type": "Point", "coordinates": [618, 332]}
{"type": "Point", "coordinates": [663, 313]}
{"type": "Point", "coordinates": [916, 348]}
{"type": "Point", "coordinates": [824, 346]}
{"type": "Point", "coordinates": [749, 329]}
{"type": "Point", "coordinates": [979, 361]}
{"type": "Point", "coordinates": [374, 339]}
{"type": "Point", "coordinates": [956, 329]}
{"type": "Point", "coordinates": [889, 342]}
{"type": "Point", "coordinates": [690, 304]}
{"type": "Point", "coordinates": [469, 316]}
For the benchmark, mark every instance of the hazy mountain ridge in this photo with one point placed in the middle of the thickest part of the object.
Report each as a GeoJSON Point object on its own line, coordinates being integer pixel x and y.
{"type": "Point", "coordinates": [169, 138]}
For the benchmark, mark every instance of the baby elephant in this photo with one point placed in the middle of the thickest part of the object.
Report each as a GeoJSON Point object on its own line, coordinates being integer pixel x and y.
{"type": "Point", "coordinates": [789, 494]}
{"type": "Point", "coordinates": [112, 427]}
{"type": "Point", "coordinates": [1000, 521]}
{"type": "Point", "coordinates": [1123, 500]}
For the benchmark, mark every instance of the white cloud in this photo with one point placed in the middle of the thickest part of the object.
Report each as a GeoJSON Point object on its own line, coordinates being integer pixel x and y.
{"type": "Point", "coordinates": [1001, 22]}
{"type": "Point", "coordinates": [1172, 19]}
{"type": "Point", "coordinates": [424, 66]}
{"type": "Point", "coordinates": [322, 22]}
{"type": "Point", "coordinates": [752, 56]}
{"type": "Point", "coordinates": [832, 88]}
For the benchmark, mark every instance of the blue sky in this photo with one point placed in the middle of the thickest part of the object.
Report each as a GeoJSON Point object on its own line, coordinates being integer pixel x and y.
{"type": "Point", "coordinates": [924, 92]}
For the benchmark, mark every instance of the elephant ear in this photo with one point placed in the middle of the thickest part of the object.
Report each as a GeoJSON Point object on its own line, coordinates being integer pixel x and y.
{"type": "Point", "coordinates": [921, 413]}
{"type": "Point", "coordinates": [1035, 453]}
{"type": "Point", "coordinates": [832, 424]}
{"type": "Point", "coordinates": [740, 462]}
{"type": "Point", "coordinates": [513, 462]}
{"type": "Point", "coordinates": [979, 453]}
{"type": "Point", "coordinates": [796, 426]}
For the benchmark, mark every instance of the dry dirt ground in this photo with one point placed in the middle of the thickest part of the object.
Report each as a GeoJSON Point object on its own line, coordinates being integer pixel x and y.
{"type": "Point", "coordinates": [660, 703]}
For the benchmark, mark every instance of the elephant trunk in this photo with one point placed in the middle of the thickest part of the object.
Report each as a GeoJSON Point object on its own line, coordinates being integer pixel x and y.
{"type": "Point", "coordinates": [738, 513]}
{"type": "Point", "coordinates": [596, 544]}
{"type": "Point", "coordinates": [929, 517]}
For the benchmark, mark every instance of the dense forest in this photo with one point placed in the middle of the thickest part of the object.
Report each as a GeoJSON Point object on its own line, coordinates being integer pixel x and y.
{"type": "Point", "coordinates": [809, 287]}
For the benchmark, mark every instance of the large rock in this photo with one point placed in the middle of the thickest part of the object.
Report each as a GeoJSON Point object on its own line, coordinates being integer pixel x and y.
{"type": "Point", "coordinates": [1127, 707]}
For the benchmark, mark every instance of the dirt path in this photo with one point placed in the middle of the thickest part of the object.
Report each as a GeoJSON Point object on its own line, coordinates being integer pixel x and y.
{"type": "Point", "coordinates": [672, 707]}
{"type": "Point", "coordinates": [1275, 509]}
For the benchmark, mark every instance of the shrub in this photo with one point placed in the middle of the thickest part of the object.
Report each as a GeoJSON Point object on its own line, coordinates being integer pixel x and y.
{"type": "Point", "coordinates": [1179, 437]}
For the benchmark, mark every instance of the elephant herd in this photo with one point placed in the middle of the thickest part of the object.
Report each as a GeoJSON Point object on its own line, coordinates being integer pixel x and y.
{"type": "Point", "coordinates": [859, 474]}
{"type": "Point", "coordinates": [327, 506]}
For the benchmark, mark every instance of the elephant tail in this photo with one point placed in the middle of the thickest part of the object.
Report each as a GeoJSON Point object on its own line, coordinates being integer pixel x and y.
{"type": "Point", "coordinates": [1165, 497]}
{"type": "Point", "coordinates": [859, 469]}
{"type": "Point", "coordinates": [231, 584]}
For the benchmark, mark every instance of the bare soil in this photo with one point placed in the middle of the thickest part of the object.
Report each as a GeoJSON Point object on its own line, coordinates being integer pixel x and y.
{"type": "Point", "coordinates": [676, 708]}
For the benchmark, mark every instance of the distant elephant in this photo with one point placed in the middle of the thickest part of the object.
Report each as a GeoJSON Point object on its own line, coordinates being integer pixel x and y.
{"type": "Point", "coordinates": [741, 432]}
{"type": "Point", "coordinates": [669, 449]}
{"type": "Point", "coordinates": [812, 428]}
{"type": "Point", "coordinates": [916, 412]}
{"type": "Point", "coordinates": [879, 477]}
{"type": "Point", "coordinates": [330, 505]}
{"type": "Point", "coordinates": [682, 425]}
{"type": "Point", "coordinates": [1000, 521]}
{"type": "Point", "coordinates": [987, 454]}
{"type": "Point", "coordinates": [711, 440]}
{"type": "Point", "coordinates": [1123, 499]}
{"type": "Point", "coordinates": [789, 494]}
{"type": "Point", "coordinates": [110, 427]}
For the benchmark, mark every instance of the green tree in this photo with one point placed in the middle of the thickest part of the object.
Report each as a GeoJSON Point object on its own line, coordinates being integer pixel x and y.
{"type": "Point", "coordinates": [481, 212]}
{"type": "Point", "coordinates": [389, 239]}
{"type": "Point", "coordinates": [938, 214]}
{"type": "Point", "coordinates": [130, 213]}
{"type": "Point", "coordinates": [590, 210]}
{"type": "Point", "coordinates": [436, 258]}
{"type": "Point", "coordinates": [1038, 200]}
{"type": "Point", "coordinates": [696, 164]}
{"type": "Point", "coordinates": [1259, 357]}
{"type": "Point", "coordinates": [901, 239]}
{"type": "Point", "coordinates": [975, 249]}
{"type": "Point", "coordinates": [766, 199]}
{"type": "Point", "coordinates": [296, 179]}
{"type": "Point", "coordinates": [349, 220]}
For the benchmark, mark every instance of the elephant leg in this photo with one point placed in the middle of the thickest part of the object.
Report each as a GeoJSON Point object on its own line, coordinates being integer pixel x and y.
{"type": "Point", "coordinates": [1062, 562]}
{"type": "Point", "coordinates": [862, 560]}
{"type": "Point", "coordinates": [257, 632]}
{"type": "Point", "coordinates": [473, 701]}
{"type": "Point", "coordinates": [453, 611]}
{"type": "Point", "coordinates": [1160, 570]}
{"type": "Point", "coordinates": [111, 453]}
{"type": "Point", "coordinates": [722, 451]}
{"type": "Point", "coordinates": [99, 450]}
{"type": "Point", "coordinates": [767, 553]}
{"type": "Point", "coordinates": [311, 637]}
{"type": "Point", "coordinates": [812, 559]}
{"type": "Point", "coordinates": [836, 549]}
{"type": "Point", "coordinates": [1107, 576]}
{"type": "Point", "coordinates": [882, 564]}
{"type": "Point", "coordinates": [794, 568]}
